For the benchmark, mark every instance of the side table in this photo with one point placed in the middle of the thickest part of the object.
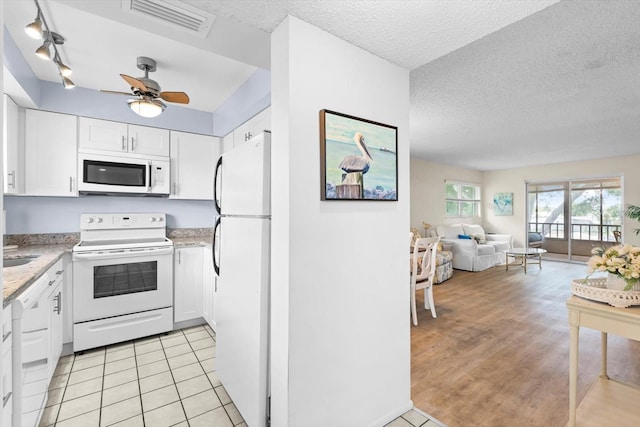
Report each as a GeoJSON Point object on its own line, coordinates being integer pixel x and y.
{"type": "Point", "coordinates": [608, 402]}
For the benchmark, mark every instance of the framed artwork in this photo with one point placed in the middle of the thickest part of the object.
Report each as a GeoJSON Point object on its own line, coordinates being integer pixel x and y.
{"type": "Point", "coordinates": [503, 204]}
{"type": "Point", "coordinates": [358, 158]}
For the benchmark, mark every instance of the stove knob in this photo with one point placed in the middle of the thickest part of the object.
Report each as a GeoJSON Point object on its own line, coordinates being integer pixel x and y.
{"type": "Point", "coordinates": [159, 219]}
{"type": "Point", "coordinates": [89, 220]}
{"type": "Point", "coordinates": [99, 220]}
{"type": "Point", "coordinates": [152, 219]}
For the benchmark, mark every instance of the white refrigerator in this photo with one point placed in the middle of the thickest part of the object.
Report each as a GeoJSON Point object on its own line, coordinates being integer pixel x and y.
{"type": "Point", "coordinates": [243, 182]}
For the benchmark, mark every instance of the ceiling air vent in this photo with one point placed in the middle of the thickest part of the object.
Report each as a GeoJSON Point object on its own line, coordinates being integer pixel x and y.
{"type": "Point", "coordinates": [173, 12]}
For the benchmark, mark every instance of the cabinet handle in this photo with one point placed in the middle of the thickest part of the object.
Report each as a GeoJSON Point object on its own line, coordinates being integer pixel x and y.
{"type": "Point", "coordinates": [70, 184]}
{"type": "Point", "coordinates": [133, 144]}
{"type": "Point", "coordinates": [59, 302]}
{"type": "Point", "coordinates": [12, 174]}
{"type": "Point", "coordinates": [5, 336]}
{"type": "Point", "coordinates": [179, 257]}
{"type": "Point", "coordinates": [59, 272]}
{"type": "Point", "coordinates": [6, 398]}
{"type": "Point", "coordinates": [124, 143]}
{"type": "Point", "coordinates": [174, 188]}
{"type": "Point", "coordinates": [247, 136]}
{"type": "Point", "coordinates": [51, 282]}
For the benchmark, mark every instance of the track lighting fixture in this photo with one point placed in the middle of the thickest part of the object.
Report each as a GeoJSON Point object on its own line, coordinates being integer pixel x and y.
{"type": "Point", "coordinates": [39, 29]}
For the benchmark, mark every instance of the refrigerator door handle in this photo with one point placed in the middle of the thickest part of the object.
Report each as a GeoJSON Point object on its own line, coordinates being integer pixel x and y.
{"type": "Point", "coordinates": [215, 186]}
{"type": "Point", "coordinates": [216, 267]}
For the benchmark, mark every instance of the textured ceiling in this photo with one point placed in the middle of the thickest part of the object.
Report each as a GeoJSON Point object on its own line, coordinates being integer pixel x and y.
{"type": "Point", "coordinates": [563, 84]}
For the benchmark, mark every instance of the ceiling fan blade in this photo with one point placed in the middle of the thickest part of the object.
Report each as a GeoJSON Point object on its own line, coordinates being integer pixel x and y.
{"type": "Point", "coordinates": [117, 92]}
{"type": "Point", "coordinates": [135, 83]}
{"type": "Point", "coordinates": [178, 97]}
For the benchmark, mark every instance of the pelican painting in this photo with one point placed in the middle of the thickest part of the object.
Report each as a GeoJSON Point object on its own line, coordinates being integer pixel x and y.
{"type": "Point", "coordinates": [355, 167]}
{"type": "Point", "coordinates": [347, 164]}
{"type": "Point", "coordinates": [355, 163]}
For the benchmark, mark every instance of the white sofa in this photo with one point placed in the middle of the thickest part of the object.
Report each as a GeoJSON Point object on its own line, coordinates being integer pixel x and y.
{"type": "Point", "coordinates": [477, 252]}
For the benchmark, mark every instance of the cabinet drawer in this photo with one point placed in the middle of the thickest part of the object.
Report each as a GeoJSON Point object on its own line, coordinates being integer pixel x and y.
{"type": "Point", "coordinates": [35, 346]}
{"type": "Point", "coordinates": [6, 328]}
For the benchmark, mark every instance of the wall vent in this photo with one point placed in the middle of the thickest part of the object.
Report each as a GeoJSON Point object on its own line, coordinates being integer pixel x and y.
{"type": "Point", "coordinates": [173, 12]}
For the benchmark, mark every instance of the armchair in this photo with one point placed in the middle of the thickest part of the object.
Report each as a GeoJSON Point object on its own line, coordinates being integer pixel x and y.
{"type": "Point", "coordinates": [473, 249]}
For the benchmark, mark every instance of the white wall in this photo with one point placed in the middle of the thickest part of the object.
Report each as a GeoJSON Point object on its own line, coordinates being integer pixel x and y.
{"type": "Point", "coordinates": [513, 181]}
{"type": "Point", "coordinates": [428, 191]}
{"type": "Point", "coordinates": [340, 312]}
{"type": "Point", "coordinates": [428, 195]}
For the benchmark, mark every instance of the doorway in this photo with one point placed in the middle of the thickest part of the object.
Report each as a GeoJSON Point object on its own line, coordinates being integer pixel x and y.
{"type": "Point", "coordinates": [572, 217]}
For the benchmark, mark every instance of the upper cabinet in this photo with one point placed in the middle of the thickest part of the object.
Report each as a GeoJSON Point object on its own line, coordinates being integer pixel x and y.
{"type": "Point", "coordinates": [14, 173]}
{"type": "Point", "coordinates": [50, 154]}
{"type": "Point", "coordinates": [114, 137]}
{"type": "Point", "coordinates": [193, 159]}
{"type": "Point", "coordinates": [252, 127]}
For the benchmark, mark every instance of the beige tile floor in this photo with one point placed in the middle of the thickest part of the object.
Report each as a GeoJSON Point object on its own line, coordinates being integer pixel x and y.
{"type": "Point", "coordinates": [164, 380]}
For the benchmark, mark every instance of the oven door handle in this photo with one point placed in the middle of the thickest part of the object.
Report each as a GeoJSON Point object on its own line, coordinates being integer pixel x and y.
{"type": "Point", "coordinates": [122, 254]}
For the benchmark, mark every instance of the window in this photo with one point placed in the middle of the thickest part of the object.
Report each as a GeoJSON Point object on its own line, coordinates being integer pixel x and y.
{"type": "Point", "coordinates": [463, 200]}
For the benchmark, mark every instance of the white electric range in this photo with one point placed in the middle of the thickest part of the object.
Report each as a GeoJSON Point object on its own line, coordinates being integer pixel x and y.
{"type": "Point", "coordinates": [122, 279]}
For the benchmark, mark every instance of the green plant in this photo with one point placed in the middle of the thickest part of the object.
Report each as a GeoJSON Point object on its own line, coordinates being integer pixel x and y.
{"type": "Point", "coordinates": [633, 212]}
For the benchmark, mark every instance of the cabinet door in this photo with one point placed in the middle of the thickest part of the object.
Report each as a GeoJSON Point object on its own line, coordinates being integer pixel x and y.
{"type": "Point", "coordinates": [209, 289]}
{"type": "Point", "coordinates": [11, 141]}
{"type": "Point", "coordinates": [55, 325]}
{"type": "Point", "coordinates": [50, 154]}
{"type": "Point", "coordinates": [227, 143]}
{"type": "Point", "coordinates": [102, 135]}
{"type": "Point", "coordinates": [148, 140]}
{"type": "Point", "coordinates": [261, 121]}
{"type": "Point", "coordinates": [187, 285]}
{"type": "Point", "coordinates": [193, 159]}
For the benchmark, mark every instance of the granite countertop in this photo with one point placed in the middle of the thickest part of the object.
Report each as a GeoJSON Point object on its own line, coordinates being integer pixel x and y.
{"type": "Point", "coordinates": [180, 242]}
{"type": "Point", "coordinates": [17, 279]}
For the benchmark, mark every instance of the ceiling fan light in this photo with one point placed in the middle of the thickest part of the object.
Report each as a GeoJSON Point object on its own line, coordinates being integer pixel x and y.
{"type": "Point", "coordinates": [67, 83]}
{"type": "Point", "coordinates": [34, 29]}
{"type": "Point", "coordinates": [146, 107]}
{"type": "Point", "coordinates": [43, 51]}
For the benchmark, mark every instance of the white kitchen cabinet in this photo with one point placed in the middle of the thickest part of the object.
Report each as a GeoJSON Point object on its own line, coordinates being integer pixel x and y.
{"type": "Point", "coordinates": [13, 169]}
{"type": "Point", "coordinates": [50, 154]}
{"type": "Point", "coordinates": [252, 127]}
{"type": "Point", "coordinates": [187, 284]}
{"type": "Point", "coordinates": [227, 142]}
{"type": "Point", "coordinates": [209, 289]}
{"type": "Point", "coordinates": [149, 141]}
{"type": "Point", "coordinates": [193, 159]}
{"type": "Point", "coordinates": [7, 368]}
{"type": "Point", "coordinates": [95, 135]}
{"type": "Point", "coordinates": [56, 314]}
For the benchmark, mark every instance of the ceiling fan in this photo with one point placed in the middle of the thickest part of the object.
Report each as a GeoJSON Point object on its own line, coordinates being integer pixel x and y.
{"type": "Point", "coordinates": [148, 91]}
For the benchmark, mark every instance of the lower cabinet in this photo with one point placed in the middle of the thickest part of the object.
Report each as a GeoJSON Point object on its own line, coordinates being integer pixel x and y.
{"type": "Point", "coordinates": [210, 289]}
{"type": "Point", "coordinates": [7, 368]}
{"type": "Point", "coordinates": [187, 283]}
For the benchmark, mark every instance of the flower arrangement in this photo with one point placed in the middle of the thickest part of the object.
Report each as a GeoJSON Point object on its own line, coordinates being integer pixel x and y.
{"type": "Point", "coordinates": [621, 260]}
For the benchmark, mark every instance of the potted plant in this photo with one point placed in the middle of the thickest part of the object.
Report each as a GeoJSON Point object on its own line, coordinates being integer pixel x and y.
{"type": "Point", "coordinates": [633, 212]}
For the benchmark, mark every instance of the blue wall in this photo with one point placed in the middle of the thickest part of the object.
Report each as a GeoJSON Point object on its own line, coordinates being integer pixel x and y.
{"type": "Point", "coordinates": [26, 215]}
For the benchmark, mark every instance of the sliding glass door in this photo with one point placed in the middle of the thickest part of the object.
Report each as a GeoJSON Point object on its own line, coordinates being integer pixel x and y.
{"type": "Point", "coordinates": [572, 217]}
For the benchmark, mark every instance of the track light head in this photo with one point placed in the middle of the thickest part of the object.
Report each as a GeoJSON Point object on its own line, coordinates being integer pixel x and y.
{"type": "Point", "coordinates": [34, 29]}
{"type": "Point", "coordinates": [43, 51]}
{"type": "Point", "coordinates": [67, 83]}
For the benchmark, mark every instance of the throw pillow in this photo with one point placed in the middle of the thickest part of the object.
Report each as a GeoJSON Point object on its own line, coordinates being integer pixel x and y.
{"type": "Point", "coordinates": [479, 238]}
{"type": "Point", "coordinates": [464, 236]}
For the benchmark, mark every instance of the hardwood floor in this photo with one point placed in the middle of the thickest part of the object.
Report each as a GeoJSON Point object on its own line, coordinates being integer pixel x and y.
{"type": "Point", "coordinates": [498, 352]}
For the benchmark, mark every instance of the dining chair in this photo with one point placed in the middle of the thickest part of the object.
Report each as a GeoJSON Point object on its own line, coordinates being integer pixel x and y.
{"type": "Point", "coordinates": [423, 270]}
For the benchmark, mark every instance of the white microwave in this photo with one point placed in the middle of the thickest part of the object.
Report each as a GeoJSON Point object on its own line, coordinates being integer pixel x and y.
{"type": "Point", "coordinates": [100, 174]}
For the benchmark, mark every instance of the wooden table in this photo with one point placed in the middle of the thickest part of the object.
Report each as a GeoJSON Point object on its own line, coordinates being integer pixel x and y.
{"type": "Point", "coordinates": [608, 402]}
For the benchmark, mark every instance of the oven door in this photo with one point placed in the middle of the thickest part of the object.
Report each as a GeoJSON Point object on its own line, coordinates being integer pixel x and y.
{"type": "Point", "coordinates": [113, 283]}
